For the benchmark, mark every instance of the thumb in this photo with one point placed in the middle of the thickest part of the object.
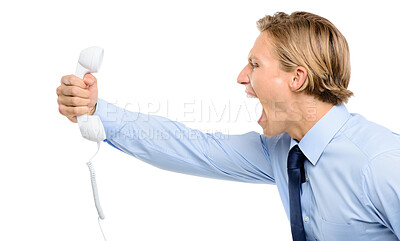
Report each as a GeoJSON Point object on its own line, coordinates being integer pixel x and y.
{"type": "Point", "coordinates": [89, 79]}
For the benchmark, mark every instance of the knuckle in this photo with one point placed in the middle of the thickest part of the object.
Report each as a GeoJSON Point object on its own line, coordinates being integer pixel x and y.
{"type": "Point", "coordinates": [74, 91]}
{"type": "Point", "coordinates": [79, 111]}
{"type": "Point", "coordinates": [61, 110]}
{"type": "Point", "coordinates": [73, 79]}
{"type": "Point", "coordinates": [74, 101]}
{"type": "Point", "coordinates": [75, 111]}
{"type": "Point", "coordinates": [65, 79]}
{"type": "Point", "coordinates": [59, 90]}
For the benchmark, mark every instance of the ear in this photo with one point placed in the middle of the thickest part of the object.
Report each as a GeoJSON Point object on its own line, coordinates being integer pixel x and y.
{"type": "Point", "coordinates": [298, 78]}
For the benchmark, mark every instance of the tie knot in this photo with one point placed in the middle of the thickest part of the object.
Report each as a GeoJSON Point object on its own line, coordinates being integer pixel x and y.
{"type": "Point", "coordinates": [296, 158]}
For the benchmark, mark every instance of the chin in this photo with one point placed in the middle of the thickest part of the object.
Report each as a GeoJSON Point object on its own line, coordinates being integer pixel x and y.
{"type": "Point", "coordinates": [271, 132]}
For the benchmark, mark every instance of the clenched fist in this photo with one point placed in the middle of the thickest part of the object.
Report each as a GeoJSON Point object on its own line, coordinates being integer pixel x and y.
{"type": "Point", "coordinates": [76, 96]}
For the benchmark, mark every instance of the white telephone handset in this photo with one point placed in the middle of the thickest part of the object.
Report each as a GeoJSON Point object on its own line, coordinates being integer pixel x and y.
{"type": "Point", "coordinates": [91, 127]}
{"type": "Point", "coordinates": [90, 61]}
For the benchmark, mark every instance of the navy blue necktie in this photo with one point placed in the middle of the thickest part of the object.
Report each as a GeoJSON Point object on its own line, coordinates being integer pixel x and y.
{"type": "Point", "coordinates": [295, 165]}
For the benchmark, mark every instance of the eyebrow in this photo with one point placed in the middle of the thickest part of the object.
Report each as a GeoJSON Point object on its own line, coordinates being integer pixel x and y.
{"type": "Point", "coordinates": [250, 58]}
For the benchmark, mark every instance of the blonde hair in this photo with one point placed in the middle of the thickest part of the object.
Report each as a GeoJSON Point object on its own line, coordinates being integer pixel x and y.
{"type": "Point", "coordinates": [308, 40]}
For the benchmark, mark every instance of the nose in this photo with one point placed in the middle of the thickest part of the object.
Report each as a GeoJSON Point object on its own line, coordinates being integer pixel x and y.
{"type": "Point", "coordinates": [243, 77]}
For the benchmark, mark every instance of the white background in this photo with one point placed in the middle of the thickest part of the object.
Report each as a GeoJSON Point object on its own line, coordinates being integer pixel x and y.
{"type": "Point", "coordinates": [162, 52]}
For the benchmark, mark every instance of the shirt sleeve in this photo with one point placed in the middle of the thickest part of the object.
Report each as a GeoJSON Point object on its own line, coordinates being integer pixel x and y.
{"type": "Point", "coordinates": [172, 146]}
{"type": "Point", "coordinates": [381, 184]}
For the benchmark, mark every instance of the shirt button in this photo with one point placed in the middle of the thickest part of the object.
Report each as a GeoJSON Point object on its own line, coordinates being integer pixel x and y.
{"type": "Point", "coordinates": [306, 219]}
{"type": "Point", "coordinates": [307, 179]}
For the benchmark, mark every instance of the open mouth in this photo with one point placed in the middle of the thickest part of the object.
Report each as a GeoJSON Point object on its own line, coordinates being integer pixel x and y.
{"type": "Point", "coordinates": [251, 96]}
{"type": "Point", "coordinates": [263, 114]}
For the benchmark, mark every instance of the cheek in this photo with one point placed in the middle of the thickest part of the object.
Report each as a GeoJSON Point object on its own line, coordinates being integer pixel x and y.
{"type": "Point", "coordinates": [260, 84]}
{"type": "Point", "coordinates": [274, 96]}
{"type": "Point", "coordinates": [271, 90]}
{"type": "Point", "coordinates": [278, 87]}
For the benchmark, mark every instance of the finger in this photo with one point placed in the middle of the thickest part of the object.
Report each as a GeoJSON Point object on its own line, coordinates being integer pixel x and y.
{"type": "Point", "coordinates": [72, 80]}
{"type": "Point", "coordinates": [58, 90]}
{"type": "Point", "coordinates": [75, 91]}
{"type": "Point", "coordinates": [72, 101]}
{"type": "Point", "coordinates": [72, 119]}
{"type": "Point", "coordinates": [71, 112]}
{"type": "Point", "coordinates": [61, 89]}
{"type": "Point", "coordinates": [89, 79]}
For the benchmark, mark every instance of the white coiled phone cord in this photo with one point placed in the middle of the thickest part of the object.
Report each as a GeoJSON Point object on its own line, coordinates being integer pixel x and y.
{"type": "Point", "coordinates": [95, 191]}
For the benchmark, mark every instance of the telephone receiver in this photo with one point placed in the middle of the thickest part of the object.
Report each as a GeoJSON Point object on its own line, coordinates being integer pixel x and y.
{"type": "Point", "coordinates": [90, 61]}
{"type": "Point", "coordinates": [91, 128]}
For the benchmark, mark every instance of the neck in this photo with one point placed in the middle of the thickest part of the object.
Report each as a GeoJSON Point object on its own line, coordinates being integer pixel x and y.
{"type": "Point", "coordinates": [311, 113]}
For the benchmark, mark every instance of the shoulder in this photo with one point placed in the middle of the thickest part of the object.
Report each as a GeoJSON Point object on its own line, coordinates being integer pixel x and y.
{"type": "Point", "coordinates": [381, 184]}
{"type": "Point", "coordinates": [380, 179]}
{"type": "Point", "coordinates": [370, 138]}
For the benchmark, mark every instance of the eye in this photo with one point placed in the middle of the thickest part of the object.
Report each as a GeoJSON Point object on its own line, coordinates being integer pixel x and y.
{"type": "Point", "coordinates": [253, 66]}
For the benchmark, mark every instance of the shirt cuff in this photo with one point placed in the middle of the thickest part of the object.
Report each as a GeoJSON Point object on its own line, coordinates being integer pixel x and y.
{"type": "Point", "coordinates": [111, 116]}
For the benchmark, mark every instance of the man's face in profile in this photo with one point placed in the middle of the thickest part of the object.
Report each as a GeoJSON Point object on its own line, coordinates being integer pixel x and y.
{"type": "Point", "coordinates": [265, 80]}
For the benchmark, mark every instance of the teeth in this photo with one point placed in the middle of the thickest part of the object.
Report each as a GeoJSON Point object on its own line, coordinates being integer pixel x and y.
{"type": "Point", "coordinates": [251, 96]}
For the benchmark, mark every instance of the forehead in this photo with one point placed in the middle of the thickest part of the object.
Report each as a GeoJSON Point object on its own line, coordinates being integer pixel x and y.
{"type": "Point", "coordinates": [261, 48]}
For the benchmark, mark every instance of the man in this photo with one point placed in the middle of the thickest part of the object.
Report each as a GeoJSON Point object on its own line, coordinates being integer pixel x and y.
{"type": "Point", "coordinates": [336, 172]}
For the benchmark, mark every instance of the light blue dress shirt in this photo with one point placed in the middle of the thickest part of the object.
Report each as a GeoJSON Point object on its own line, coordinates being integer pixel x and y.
{"type": "Point", "coordinates": [352, 188]}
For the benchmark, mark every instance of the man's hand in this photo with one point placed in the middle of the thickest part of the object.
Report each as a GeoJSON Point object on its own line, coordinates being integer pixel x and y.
{"type": "Point", "coordinates": [76, 96]}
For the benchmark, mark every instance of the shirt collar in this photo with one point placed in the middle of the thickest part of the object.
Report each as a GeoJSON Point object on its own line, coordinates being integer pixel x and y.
{"type": "Point", "coordinates": [318, 137]}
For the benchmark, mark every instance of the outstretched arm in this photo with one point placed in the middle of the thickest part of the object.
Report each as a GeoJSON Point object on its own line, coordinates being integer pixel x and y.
{"type": "Point", "coordinates": [172, 146]}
